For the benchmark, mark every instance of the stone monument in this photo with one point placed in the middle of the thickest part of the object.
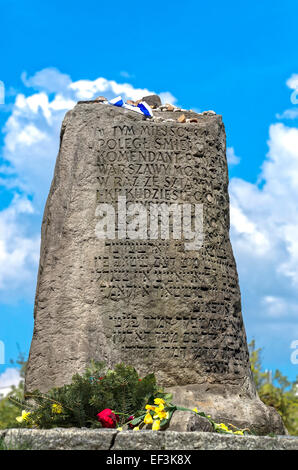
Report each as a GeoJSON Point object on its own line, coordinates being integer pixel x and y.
{"type": "Point", "coordinates": [136, 264]}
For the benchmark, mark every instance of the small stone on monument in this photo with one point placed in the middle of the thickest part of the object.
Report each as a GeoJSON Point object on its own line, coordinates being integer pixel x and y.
{"type": "Point", "coordinates": [152, 100]}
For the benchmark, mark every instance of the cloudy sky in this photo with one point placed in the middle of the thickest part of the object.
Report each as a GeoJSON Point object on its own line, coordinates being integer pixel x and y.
{"type": "Point", "coordinates": [239, 61]}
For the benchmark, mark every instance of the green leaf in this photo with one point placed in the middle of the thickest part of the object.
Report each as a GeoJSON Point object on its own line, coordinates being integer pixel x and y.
{"type": "Point", "coordinates": [181, 408]}
{"type": "Point", "coordinates": [136, 421]}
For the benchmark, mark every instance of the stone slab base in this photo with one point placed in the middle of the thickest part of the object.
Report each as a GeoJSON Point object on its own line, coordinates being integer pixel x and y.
{"type": "Point", "coordinates": [109, 439]}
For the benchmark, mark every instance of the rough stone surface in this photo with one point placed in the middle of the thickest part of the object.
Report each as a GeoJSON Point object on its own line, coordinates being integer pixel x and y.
{"type": "Point", "coordinates": [215, 441]}
{"type": "Point", "coordinates": [83, 439]}
{"type": "Point", "coordinates": [139, 440]}
{"type": "Point", "coordinates": [60, 439]}
{"type": "Point", "coordinates": [228, 405]}
{"type": "Point", "coordinates": [187, 421]}
{"type": "Point", "coordinates": [168, 306]}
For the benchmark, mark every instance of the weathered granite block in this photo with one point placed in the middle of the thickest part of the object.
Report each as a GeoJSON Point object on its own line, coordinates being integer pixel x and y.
{"type": "Point", "coordinates": [139, 440]}
{"type": "Point", "coordinates": [60, 439]}
{"type": "Point", "coordinates": [215, 441]}
{"type": "Point", "coordinates": [86, 439]}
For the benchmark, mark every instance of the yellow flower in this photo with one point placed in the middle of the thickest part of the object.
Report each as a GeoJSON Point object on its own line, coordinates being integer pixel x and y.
{"type": "Point", "coordinates": [223, 426]}
{"type": "Point", "coordinates": [156, 425]}
{"type": "Point", "coordinates": [136, 428]}
{"type": "Point", "coordinates": [160, 407]}
{"type": "Point", "coordinates": [148, 419]}
{"type": "Point", "coordinates": [161, 414]}
{"type": "Point", "coordinates": [119, 429]}
{"type": "Point", "coordinates": [24, 417]}
{"type": "Point", "coordinates": [159, 410]}
{"type": "Point", "coordinates": [239, 432]}
{"type": "Point", "coordinates": [57, 408]}
{"type": "Point", "coordinates": [195, 410]}
{"type": "Point", "coordinates": [159, 401]}
{"type": "Point", "coordinates": [150, 407]}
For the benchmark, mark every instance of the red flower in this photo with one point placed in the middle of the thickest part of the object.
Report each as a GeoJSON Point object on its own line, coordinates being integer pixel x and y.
{"type": "Point", "coordinates": [107, 418]}
{"type": "Point", "coordinates": [130, 419]}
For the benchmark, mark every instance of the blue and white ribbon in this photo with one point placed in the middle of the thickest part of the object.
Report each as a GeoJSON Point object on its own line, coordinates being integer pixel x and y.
{"type": "Point", "coordinates": [117, 101]}
{"type": "Point", "coordinates": [141, 108]}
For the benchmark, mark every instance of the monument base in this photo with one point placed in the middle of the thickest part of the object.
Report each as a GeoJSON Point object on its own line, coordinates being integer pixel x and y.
{"type": "Point", "coordinates": [225, 404]}
{"type": "Point", "coordinates": [113, 440]}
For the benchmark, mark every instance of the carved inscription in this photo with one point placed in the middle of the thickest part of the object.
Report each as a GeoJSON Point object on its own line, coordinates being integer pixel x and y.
{"type": "Point", "coordinates": [168, 303]}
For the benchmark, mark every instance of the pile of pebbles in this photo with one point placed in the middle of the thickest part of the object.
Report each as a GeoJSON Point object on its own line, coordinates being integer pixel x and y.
{"type": "Point", "coordinates": [156, 105]}
{"type": "Point", "coordinates": [182, 117]}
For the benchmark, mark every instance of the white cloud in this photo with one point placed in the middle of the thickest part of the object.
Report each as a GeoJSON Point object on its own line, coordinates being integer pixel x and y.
{"type": "Point", "coordinates": [291, 113]}
{"type": "Point", "coordinates": [8, 378]}
{"type": "Point", "coordinates": [292, 82]}
{"type": "Point", "coordinates": [167, 97]}
{"type": "Point", "coordinates": [88, 89]}
{"type": "Point", "coordinates": [264, 228]}
{"type": "Point", "coordinates": [50, 80]}
{"type": "Point", "coordinates": [275, 307]}
{"type": "Point", "coordinates": [19, 248]}
{"type": "Point", "coordinates": [232, 157]}
{"type": "Point", "coordinates": [31, 143]}
{"type": "Point", "coordinates": [126, 74]}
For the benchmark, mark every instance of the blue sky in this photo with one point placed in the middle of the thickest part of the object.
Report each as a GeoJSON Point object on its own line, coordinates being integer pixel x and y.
{"type": "Point", "coordinates": [237, 58]}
